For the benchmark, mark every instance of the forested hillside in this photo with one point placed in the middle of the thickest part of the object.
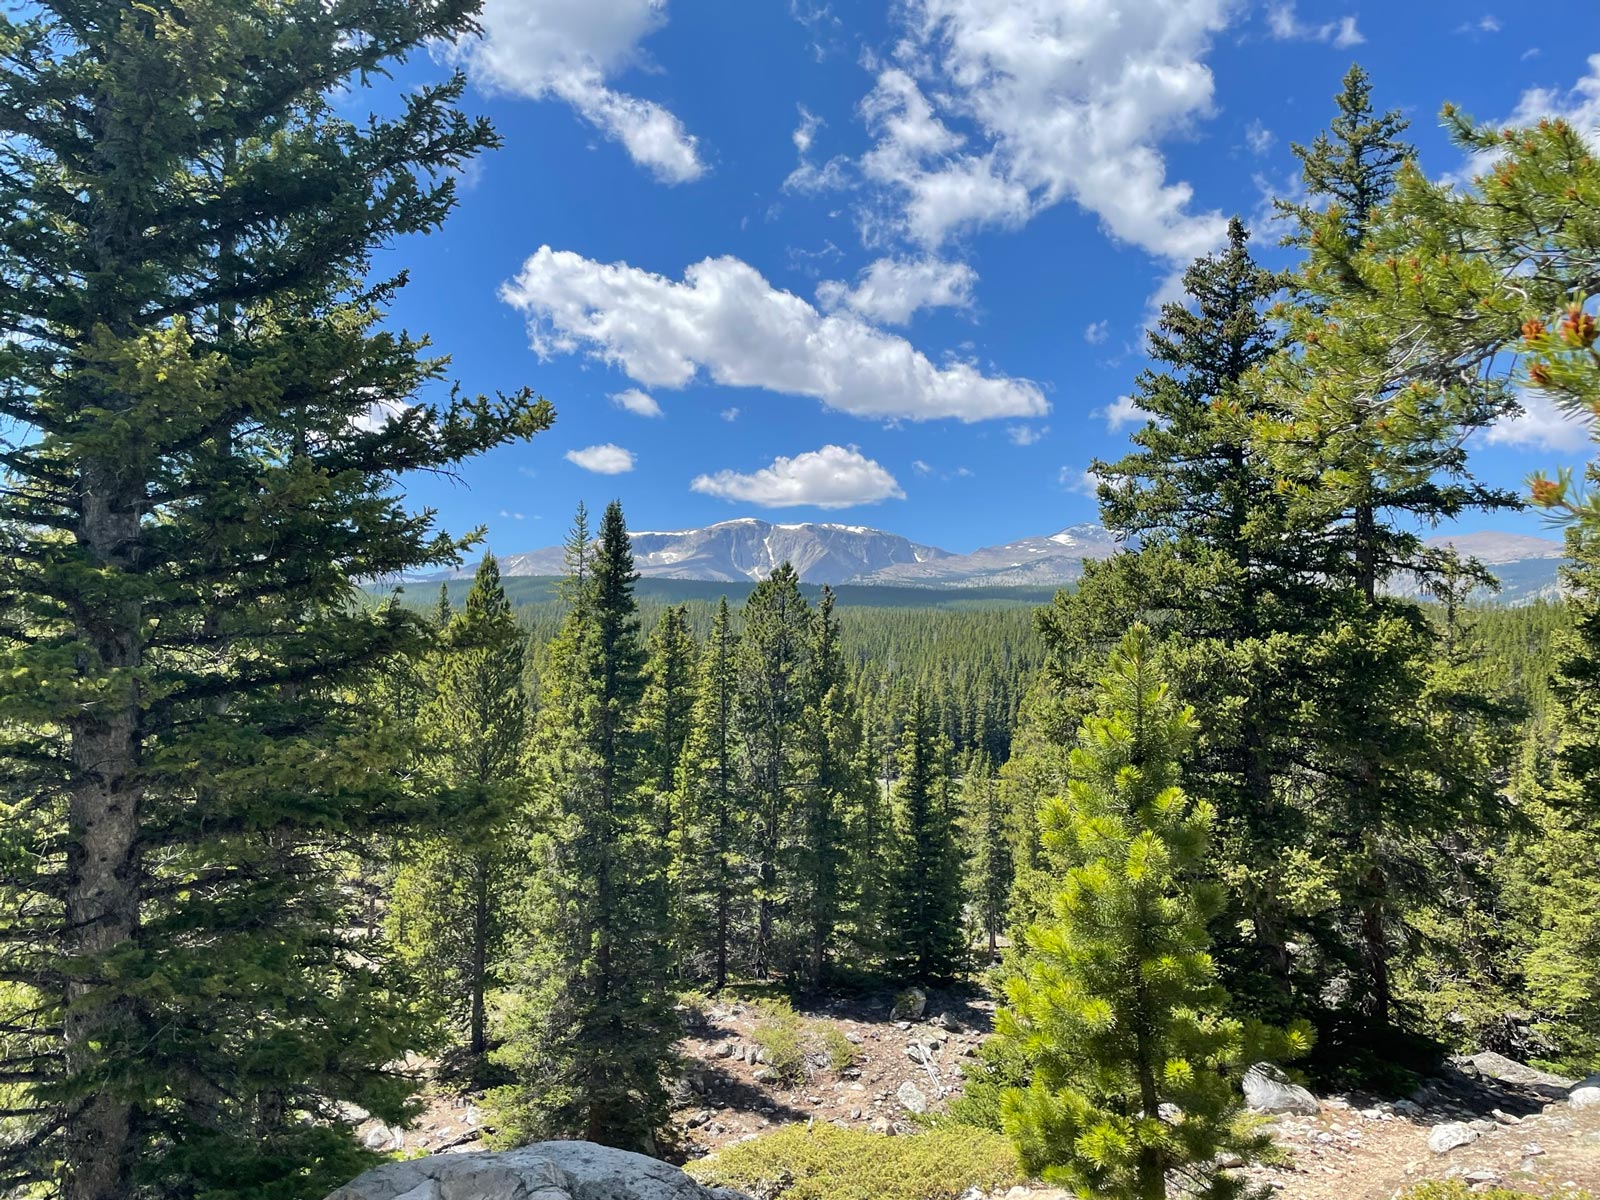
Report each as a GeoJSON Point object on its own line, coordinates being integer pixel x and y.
{"type": "Point", "coordinates": [281, 857]}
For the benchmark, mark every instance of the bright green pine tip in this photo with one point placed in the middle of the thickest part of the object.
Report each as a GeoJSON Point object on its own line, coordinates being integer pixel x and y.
{"type": "Point", "coordinates": [824, 1162]}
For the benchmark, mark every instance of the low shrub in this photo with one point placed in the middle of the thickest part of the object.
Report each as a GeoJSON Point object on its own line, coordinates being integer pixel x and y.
{"type": "Point", "coordinates": [781, 1035]}
{"type": "Point", "coordinates": [824, 1162]}
{"type": "Point", "coordinates": [1458, 1189]}
{"type": "Point", "coordinates": [841, 1050]}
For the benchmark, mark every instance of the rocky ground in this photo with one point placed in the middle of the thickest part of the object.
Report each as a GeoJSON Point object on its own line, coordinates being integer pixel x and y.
{"type": "Point", "coordinates": [1486, 1119]}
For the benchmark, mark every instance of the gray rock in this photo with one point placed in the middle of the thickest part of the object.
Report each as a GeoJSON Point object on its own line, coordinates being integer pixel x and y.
{"type": "Point", "coordinates": [909, 1005]}
{"type": "Point", "coordinates": [1444, 1138]}
{"type": "Point", "coordinates": [1585, 1095]}
{"type": "Point", "coordinates": [911, 1096]}
{"type": "Point", "coordinates": [1267, 1089]}
{"type": "Point", "coordinates": [544, 1171]}
{"type": "Point", "coordinates": [1506, 1070]}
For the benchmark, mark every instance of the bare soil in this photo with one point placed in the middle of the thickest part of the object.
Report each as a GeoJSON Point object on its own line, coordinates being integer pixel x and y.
{"type": "Point", "coordinates": [1356, 1148]}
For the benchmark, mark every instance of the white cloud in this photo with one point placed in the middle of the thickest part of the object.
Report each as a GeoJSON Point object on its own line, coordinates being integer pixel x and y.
{"type": "Point", "coordinates": [1540, 425]}
{"type": "Point", "coordinates": [1078, 480]}
{"type": "Point", "coordinates": [1065, 100]}
{"type": "Point", "coordinates": [605, 459]}
{"type": "Point", "coordinates": [1258, 137]}
{"type": "Point", "coordinates": [920, 467]}
{"type": "Point", "coordinates": [725, 320]}
{"type": "Point", "coordinates": [1578, 107]}
{"type": "Point", "coordinates": [730, 414]}
{"type": "Point", "coordinates": [510, 516]}
{"type": "Point", "coordinates": [892, 289]}
{"type": "Point", "coordinates": [568, 49]}
{"type": "Point", "coordinates": [640, 404]}
{"type": "Point", "coordinates": [1286, 25]}
{"type": "Point", "coordinates": [1026, 435]}
{"type": "Point", "coordinates": [832, 477]}
{"type": "Point", "coordinates": [1096, 332]}
{"type": "Point", "coordinates": [1484, 24]}
{"type": "Point", "coordinates": [807, 176]}
{"type": "Point", "coordinates": [1123, 411]}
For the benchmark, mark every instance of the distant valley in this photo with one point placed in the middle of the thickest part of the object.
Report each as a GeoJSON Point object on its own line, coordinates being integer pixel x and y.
{"type": "Point", "coordinates": [744, 550]}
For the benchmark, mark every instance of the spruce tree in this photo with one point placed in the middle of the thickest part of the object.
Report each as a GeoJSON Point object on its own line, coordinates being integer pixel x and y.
{"type": "Point", "coordinates": [590, 1028]}
{"type": "Point", "coordinates": [924, 929]}
{"type": "Point", "coordinates": [707, 862]}
{"type": "Point", "coordinates": [1117, 1005]}
{"type": "Point", "coordinates": [988, 839]}
{"type": "Point", "coordinates": [773, 661]}
{"type": "Point", "coordinates": [195, 349]}
{"type": "Point", "coordinates": [450, 903]}
{"type": "Point", "coordinates": [665, 707]}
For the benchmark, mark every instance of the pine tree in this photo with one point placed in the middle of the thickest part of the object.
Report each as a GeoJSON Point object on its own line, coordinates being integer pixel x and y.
{"type": "Point", "coordinates": [924, 933]}
{"type": "Point", "coordinates": [665, 708]}
{"type": "Point", "coordinates": [773, 653]}
{"type": "Point", "coordinates": [194, 347]}
{"type": "Point", "coordinates": [591, 1026]}
{"type": "Point", "coordinates": [831, 784]}
{"type": "Point", "coordinates": [450, 903]}
{"type": "Point", "coordinates": [707, 865]}
{"type": "Point", "coordinates": [989, 862]}
{"type": "Point", "coordinates": [1118, 1007]}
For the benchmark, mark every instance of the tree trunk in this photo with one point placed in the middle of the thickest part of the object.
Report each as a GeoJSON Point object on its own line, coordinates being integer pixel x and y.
{"type": "Point", "coordinates": [1376, 947]}
{"type": "Point", "coordinates": [102, 867]}
{"type": "Point", "coordinates": [480, 951]}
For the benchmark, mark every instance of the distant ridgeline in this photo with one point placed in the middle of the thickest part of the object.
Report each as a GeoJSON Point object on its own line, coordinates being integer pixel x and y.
{"type": "Point", "coordinates": [869, 567]}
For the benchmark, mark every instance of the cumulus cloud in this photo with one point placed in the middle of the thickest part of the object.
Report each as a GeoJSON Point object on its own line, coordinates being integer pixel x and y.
{"type": "Point", "coordinates": [832, 477]}
{"type": "Point", "coordinates": [640, 404]}
{"type": "Point", "coordinates": [724, 320]}
{"type": "Point", "coordinates": [1026, 435]}
{"type": "Point", "coordinates": [993, 110]}
{"type": "Point", "coordinates": [568, 49]}
{"type": "Point", "coordinates": [1121, 412]}
{"type": "Point", "coordinates": [1578, 106]}
{"type": "Point", "coordinates": [1286, 26]}
{"type": "Point", "coordinates": [1540, 425]}
{"type": "Point", "coordinates": [891, 290]}
{"type": "Point", "coordinates": [1096, 332]}
{"type": "Point", "coordinates": [605, 459]}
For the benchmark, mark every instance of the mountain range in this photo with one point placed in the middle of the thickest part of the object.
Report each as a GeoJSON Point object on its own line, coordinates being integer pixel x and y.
{"type": "Point", "coordinates": [746, 549]}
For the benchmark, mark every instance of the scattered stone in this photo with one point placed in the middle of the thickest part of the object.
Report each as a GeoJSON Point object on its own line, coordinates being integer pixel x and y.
{"type": "Point", "coordinates": [948, 1021]}
{"type": "Point", "coordinates": [911, 1096]}
{"type": "Point", "coordinates": [1445, 1138]}
{"type": "Point", "coordinates": [1408, 1108]}
{"type": "Point", "coordinates": [1505, 1118]}
{"type": "Point", "coordinates": [909, 1005]}
{"type": "Point", "coordinates": [1483, 1125]}
{"type": "Point", "coordinates": [1267, 1089]}
{"type": "Point", "coordinates": [1586, 1094]}
{"type": "Point", "coordinates": [1532, 1150]}
{"type": "Point", "coordinates": [1481, 1176]}
{"type": "Point", "coordinates": [724, 1050]}
{"type": "Point", "coordinates": [546, 1170]}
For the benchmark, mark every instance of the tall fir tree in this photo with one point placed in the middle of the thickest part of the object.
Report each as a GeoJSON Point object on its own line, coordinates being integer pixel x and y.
{"type": "Point", "coordinates": [665, 707]}
{"type": "Point", "coordinates": [988, 840]}
{"type": "Point", "coordinates": [194, 346]}
{"type": "Point", "coordinates": [452, 898]}
{"type": "Point", "coordinates": [708, 875]}
{"type": "Point", "coordinates": [1117, 1006]}
{"type": "Point", "coordinates": [925, 933]}
{"type": "Point", "coordinates": [773, 662]}
{"type": "Point", "coordinates": [590, 1029]}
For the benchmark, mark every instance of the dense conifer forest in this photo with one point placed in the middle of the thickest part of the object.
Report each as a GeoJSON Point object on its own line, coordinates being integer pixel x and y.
{"type": "Point", "coordinates": [276, 849]}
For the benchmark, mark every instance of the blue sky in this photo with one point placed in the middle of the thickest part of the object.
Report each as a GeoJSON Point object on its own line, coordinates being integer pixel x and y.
{"type": "Point", "coordinates": [890, 264]}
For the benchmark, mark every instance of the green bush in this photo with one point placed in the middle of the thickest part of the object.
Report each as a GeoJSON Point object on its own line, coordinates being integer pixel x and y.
{"type": "Point", "coordinates": [841, 1050]}
{"type": "Point", "coordinates": [824, 1162]}
{"type": "Point", "coordinates": [781, 1035]}
{"type": "Point", "coordinates": [1457, 1189]}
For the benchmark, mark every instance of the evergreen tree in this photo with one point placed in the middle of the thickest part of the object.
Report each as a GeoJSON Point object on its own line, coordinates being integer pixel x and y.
{"type": "Point", "coordinates": [707, 864]}
{"type": "Point", "coordinates": [925, 903]}
{"type": "Point", "coordinates": [1118, 1007]}
{"type": "Point", "coordinates": [449, 906]}
{"type": "Point", "coordinates": [988, 848]}
{"type": "Point", "coordinates": [665, 708]}
{"type": "Point", "coordinates": [591, 1026]}
{"type": "Point", "coordinates": [194, 349]}
{"type": "Point", "coordinates": [773, 653]}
